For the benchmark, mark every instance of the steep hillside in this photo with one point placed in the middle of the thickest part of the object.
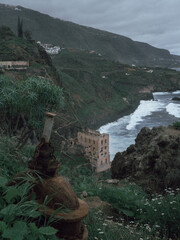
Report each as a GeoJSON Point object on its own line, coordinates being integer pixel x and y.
{"type": "Point", "coordinates": [68, 34]}
{"type": "Point", "coordinates": [97, 90]}
{"type": "Point", "coordinates": [102, 90]}
{"type": "Point", "coordinates": [13, 48]}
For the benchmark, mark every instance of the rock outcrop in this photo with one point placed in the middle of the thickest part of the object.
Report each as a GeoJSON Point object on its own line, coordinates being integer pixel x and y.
{"type": "Point", "coordinates": [153, 161]}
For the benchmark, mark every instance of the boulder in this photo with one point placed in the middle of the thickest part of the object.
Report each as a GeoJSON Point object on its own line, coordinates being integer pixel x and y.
{"type": "Point", "coordinates": [153, 161]}
{"type": "Point", "coordinates": [176, 98]}
{"type": "Point", "coordinates": [112, 181]}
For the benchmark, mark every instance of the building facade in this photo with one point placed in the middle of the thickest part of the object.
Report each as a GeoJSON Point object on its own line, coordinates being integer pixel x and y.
{"type": "Point", "coordinates": [97, 149]}
{"type": "Point", "coordinates": [14, 65]}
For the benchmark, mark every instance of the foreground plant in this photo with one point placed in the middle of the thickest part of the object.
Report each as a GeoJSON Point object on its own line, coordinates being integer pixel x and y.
{"type": "Point", "coordinates": [19, 216]}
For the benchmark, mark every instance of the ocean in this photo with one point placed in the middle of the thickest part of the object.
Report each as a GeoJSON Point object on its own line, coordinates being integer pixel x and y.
{"type": "Point", "coordinates": [160, 111]}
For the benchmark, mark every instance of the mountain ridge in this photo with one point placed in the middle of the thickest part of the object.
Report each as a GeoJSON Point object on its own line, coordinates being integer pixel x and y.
{"type": "Point", "coordinates": [68, 34]}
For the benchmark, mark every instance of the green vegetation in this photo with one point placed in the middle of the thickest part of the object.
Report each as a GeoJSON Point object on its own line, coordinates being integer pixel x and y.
{"type": "Point", "coordinates": [67, 34]}
{"type": "Point", "coordinates": [102, 91]}
{"type": "Point", "coordinates": [12, 159]}
{"type": "Point", "coordinates": [176, 125]}
{"type": "Point", "coordinates": [23, 104]}
{"type": "Point", "coordinates": [144, 215]}
{"type": "Point", "coordinates": [136, 215]}
{"type": "Point", "coordinates": [28, 35]}
{"type": "Point", "coordinates": [98, 90]}
{"type": "Point", "coordinates": [6, 33]}
{"type": "Point", "coordinates": [19, 216]}
{"type": "Point", "coordinates": [161, 213]}
{"type": "Point", "coordinates": [20, 28]}
{"type": "Point", "coordinates": [15, 48]}
{"type": "Point", "coordinates": [100, 226]}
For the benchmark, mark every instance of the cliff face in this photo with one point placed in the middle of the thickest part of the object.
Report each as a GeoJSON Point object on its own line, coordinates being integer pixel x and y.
{"type": "Point", "coordinates": [153, 161]}
{"type": "Point", "coordinates": [67, 34]}
{"type": "Point", "coordinates": [102, 90]}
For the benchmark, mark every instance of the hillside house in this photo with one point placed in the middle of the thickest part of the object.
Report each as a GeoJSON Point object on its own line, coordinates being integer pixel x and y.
{"type": "Point", "coordinates": [14, 65]}
{"type": "Point", "coordinates": [49, 48]}
{"type": "Point", "coordinates": [97, 149]}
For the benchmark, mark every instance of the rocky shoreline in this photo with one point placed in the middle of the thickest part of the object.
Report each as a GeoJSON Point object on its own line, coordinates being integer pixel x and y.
{"type": "Point", "coordinates": [153, 161]}
{"type": "Point", "coordinates": [128, 109]}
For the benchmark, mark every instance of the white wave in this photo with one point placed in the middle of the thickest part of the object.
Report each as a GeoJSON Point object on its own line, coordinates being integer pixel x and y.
{"type": "Point", "coordinates": [161, 93]}
{"type": "Point", "coordinates": [145, 108]}
{"type": "Point", "coordinates": [176, 92]}
{"type": "Point", "coordinates": [110, 126]}
{"type": "Point", "coordinates": [105, 128]}
{"type": "Point", "coordinates": [166, 93]}
{"type": "Point", "coordinates": [173, 109]}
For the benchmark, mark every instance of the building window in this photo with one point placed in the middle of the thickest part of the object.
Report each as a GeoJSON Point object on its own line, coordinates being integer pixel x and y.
{"type": "Point", "coordinates": [101, 142]}
{"type": "Point", "coordinates": [105, 147]}
{"type": "Point", "coordinates": [106, 161]}
{"type": "Point", "coordinates": [105, 140]}
{"type": "Point", "coordinates": [89, 140]}
{"type": "Point", "coordinates": [93, 141]}
{"type": "Point", "coordinates": [93, 148]}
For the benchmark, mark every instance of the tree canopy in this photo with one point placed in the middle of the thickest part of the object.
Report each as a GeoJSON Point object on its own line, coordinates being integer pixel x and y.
{"type": "Point", "coordinates": [20, 27]}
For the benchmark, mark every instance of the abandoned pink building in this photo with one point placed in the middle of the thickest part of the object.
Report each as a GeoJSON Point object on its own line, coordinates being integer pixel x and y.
{"type": "Point", "coordinates": [97, 149]}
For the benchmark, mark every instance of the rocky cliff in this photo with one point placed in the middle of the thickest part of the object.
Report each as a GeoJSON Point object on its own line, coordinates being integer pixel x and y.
{"type": "Point", "coordinates": [153, 161]}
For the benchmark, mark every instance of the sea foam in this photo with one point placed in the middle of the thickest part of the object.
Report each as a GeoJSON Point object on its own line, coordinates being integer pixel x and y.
{"type": "Point", "coordinates": [110, 127]}
{"type": "Point", "coordinates": [145, 108]}
{"type": "Point", "coordinates": [176, 92]}
{"type": "Point", "coordinates": [173, 109]}
{"type": "Point", "coordinates": [161, 93]}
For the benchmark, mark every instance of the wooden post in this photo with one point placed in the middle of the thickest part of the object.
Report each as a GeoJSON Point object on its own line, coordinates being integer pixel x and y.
{"type": "Point", "coordinates": [48, 126]}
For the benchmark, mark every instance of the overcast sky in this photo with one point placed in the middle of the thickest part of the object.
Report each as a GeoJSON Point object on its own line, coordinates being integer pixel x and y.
{"type": "Point", "coordinates": [156, 22]}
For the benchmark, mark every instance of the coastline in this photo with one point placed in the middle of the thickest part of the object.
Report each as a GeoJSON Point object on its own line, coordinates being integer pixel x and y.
{"type": "Point", "coordinates": [128, 109]}
{"type": "Point", "coordinates": [160, 112]}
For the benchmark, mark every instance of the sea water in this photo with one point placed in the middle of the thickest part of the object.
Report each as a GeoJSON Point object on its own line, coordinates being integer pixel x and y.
{"type": "Point", "coordinates": [160, 111]}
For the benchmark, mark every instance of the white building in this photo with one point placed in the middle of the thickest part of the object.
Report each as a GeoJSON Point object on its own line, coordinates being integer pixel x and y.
{"type": "Point", "coordinates": [49, 48]}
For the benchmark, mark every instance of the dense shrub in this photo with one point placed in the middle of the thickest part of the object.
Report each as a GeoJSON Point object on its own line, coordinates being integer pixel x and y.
{"type": "Point", "coordinates": [176, 125]}
{"type": "Point", "coordinates": [23, 104]}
